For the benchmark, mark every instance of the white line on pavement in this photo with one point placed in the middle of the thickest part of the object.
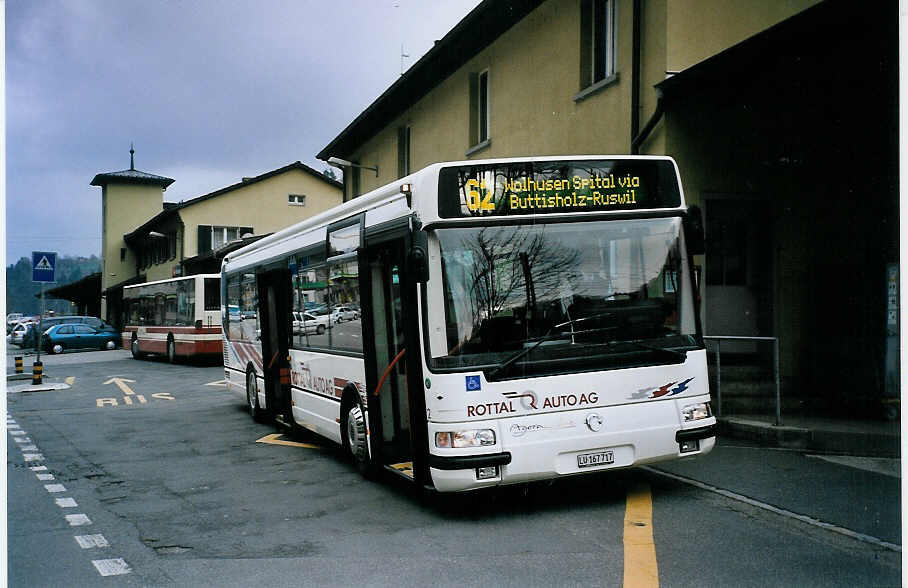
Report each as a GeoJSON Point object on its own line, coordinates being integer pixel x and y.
{"type": "Point", "coordinates": [90, 541]}
{"type": "Point", "coordinates": [779, 511]}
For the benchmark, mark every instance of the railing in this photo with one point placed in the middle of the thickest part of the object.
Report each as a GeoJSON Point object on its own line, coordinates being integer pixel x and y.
{"type": "Point", "coordinates": [775, 369]}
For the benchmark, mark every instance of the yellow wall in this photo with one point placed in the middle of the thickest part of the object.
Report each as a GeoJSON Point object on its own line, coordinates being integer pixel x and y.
{"type": "Point", "coordinates": [698, 29]}
{"type": "Point", "coordinates": [534, 74]}
{"type": "Point", "coordinates": [534, 77]}
{"type": "Point", "coordinates": [124, 208]}
{"type": "Point", "coordinates": [261, 205]}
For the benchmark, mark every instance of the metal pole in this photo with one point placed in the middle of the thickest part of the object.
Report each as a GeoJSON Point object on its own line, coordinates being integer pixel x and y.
{"type": "Point", "coordinates": [40, 319]}
{"type": "Point", "coordinates": [775, 369]}
{"type": "Point", "coordinates": [718, 379]}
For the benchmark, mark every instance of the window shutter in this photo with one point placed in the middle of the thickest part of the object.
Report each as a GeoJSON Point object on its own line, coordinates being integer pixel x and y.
{"type": "Point", "coordinates": [204, 244]}
{"type": "Point", "coordinates": [474, 109]}
{"type": "Point", "coordinates": [586, 43]}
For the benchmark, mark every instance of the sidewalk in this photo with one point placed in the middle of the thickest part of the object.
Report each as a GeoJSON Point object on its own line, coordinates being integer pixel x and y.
{"type": "Point", "coordinates": [820, 434]}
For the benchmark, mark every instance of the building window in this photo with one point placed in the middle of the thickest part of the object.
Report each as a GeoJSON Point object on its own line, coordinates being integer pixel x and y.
{"type": "Point", "coordinates": [479, 109]}
{"type": "Point", "coordinates": [122, 253]}
{"type": "Point", "coordinates": [212, 237]}
{"type": "Point", "coordinates": [597, 42]}
{"type": "Point", "coordinates": [403, 151]}
{"type": "Point", "coordinates": [296, 199]}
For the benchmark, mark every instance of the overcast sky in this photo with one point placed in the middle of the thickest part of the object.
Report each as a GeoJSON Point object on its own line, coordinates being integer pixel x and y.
{"type": "Point", "coordinates": [208, 90]}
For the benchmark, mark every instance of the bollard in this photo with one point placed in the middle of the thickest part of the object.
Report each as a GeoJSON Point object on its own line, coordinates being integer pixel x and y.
{"type": "Point", "coordinates": [19, 365]}
{"type": "Point", "coordinates": [37, 373]}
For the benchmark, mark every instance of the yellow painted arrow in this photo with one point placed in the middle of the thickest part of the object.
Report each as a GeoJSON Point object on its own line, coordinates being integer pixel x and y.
{"type": "Point", "coordinates": [121, 384]}
{"type": "Point", "coordinates": [275, 439]}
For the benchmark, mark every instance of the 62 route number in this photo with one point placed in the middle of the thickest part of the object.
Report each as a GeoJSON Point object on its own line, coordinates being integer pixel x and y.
{"type": "Point", "coordinates": [478, 197]}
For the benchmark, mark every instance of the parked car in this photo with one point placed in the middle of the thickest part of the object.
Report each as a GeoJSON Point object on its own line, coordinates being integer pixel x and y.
{"type": "Point", "coordinates": [11, 320]}
{"type": "Point", "coordinates": [77, 336]}
{"type": "Point", "coordinates": [344, 313]}
{"type": "Point", "coordinates": [17, 333]}
{"type": "Point", "coordinates": [312, 323]}
{"type": "Point", "coordinates": [31, 335]}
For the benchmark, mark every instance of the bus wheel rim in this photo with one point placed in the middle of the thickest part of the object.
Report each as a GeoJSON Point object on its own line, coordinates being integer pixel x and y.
{"type": "Point", "coordinates": [251, 392]}
{"type": "Point", "coordinates": [356, 433]}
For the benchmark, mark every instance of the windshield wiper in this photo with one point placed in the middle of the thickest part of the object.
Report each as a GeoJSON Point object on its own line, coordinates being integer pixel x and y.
{"type": "Point", "coordinates": [665, 350]}
{"type": "Point", "coordinates": [526, 350]}
{"type": "Point", "coordinates": [549, 336]}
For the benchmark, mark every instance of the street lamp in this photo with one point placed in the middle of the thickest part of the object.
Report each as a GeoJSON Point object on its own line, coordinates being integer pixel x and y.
{"type": "Point", "coordinates": [342, 163]}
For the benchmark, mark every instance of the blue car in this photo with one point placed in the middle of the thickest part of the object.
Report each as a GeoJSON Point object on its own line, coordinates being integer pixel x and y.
{"type": "Point", "coordinates": [59, 338]}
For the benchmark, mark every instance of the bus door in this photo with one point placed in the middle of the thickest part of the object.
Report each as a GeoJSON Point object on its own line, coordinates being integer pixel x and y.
{"type": "Point", "coordinates": [392, 356]}
{"type": "Point", "coordinates": [274, 311]}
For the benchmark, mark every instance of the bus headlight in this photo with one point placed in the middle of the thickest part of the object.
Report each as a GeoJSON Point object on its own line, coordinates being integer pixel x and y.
{"type": "Point", "coordinates": [695, 412]}
{"type": "Point", "coordinates": [471, 438]}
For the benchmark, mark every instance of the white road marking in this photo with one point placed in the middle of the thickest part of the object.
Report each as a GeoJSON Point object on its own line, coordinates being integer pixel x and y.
{"type": "Point", "coordinates": [52, 488]}
{"type": "Point", "coordinates": [19, 432]}
{"type": "Point", "coordinates": [22, 440]}
{"type": "Point", "coordinates": [91, 541]}
{"type": "Point", "coordinates": [78, 520]}
{"type": "Point", "coordinates": [38, 468]}
{"type": "Point", "coordinates": [111, 567]}
{"type": "Point", "coordinates": [779, 511]}
{"type": "Point", "coordinates": [45, 477]}
{"type": "Point", "coordinates": [33, 457]}
{"type": "Point", "coordinates": [12, 426]}
{"type": "Point", "coordinates": [217, 383]}
{"type": "Point", "coordinates": [65, 502]}
{"type": "Point", "coordinates": [29, 448]}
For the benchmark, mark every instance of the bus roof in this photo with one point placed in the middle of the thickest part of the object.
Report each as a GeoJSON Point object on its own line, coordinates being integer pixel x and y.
{"type": "Point", "coordinates": [164, 281]}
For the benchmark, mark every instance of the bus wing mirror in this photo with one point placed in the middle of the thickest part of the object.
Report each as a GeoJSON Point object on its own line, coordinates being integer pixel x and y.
{"type": "Point", "coordinates": [418, 258]}
{"type": "Point", "coordinates": [693, 231]}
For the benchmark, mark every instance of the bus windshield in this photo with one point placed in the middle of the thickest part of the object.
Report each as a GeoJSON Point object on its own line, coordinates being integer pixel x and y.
{"type": "Point", "coordinates": [549, 298]}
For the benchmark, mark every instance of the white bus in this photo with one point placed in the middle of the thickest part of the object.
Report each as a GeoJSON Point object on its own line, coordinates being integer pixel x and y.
{"type": "Point", "coordinates": [177, 317]}
{"type": "Point", "coordinates": [519, 319]}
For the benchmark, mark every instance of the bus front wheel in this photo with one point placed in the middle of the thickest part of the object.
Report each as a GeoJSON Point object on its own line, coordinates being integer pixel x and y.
{"type": "Point", "coordinates": [252, 397]}
{"type": "Point", "coordinates": [354, 436]}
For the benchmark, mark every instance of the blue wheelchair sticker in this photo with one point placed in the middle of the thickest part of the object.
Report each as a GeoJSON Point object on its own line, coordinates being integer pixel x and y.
{"type": "Point", "coordinates": [473, 384]}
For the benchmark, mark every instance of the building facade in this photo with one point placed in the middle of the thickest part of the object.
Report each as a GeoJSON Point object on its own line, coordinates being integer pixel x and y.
{"type": "Point", "coordinates": [147, 239]}
{"type": "Point", "coordinates": [782, 116]}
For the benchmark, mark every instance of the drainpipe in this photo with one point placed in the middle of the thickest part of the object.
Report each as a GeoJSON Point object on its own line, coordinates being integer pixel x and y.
{"type": "Point", "coordinates": [635, 73]}
{"type": "Point", "coordinates": [650, 125]}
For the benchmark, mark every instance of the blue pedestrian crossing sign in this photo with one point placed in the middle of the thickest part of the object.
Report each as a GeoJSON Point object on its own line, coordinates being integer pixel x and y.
{"type": "Point", "coordinates": [44, 264]}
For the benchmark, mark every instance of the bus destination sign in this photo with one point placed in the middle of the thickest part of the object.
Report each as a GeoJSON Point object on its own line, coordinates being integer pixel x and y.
{"type": "Point", "coordinates": [556, 187]}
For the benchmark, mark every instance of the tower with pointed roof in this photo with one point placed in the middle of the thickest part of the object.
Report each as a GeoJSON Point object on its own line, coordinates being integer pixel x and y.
{"type": "Point", "coordinates": [128, 199]}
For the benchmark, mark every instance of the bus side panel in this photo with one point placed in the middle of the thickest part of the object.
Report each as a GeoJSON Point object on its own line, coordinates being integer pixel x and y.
{"type": "Point", "coordinates": [238, 355]}
{"type": "Point", "coordinates": [317, 385]}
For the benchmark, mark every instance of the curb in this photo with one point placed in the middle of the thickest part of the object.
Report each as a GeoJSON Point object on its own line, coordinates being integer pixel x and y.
{"type": "Point", "coordinates": [826, 441]}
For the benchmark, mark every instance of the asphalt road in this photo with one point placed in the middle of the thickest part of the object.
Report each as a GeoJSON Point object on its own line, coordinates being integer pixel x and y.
{"type": "Point", "coordinates": [164, 467]}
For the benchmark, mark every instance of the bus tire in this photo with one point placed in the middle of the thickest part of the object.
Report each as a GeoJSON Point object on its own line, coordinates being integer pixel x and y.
{"type": "Point", "coordinates": [353, 434]}
{"type": "Point", "coordinates": [171, 350]}
{"type": "Point", "coordinates": [134, 348]}
{"type": "Point", "coordinates": [252, 397]}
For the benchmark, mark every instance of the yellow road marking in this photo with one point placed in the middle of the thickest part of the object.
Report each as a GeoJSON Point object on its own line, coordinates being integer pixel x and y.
{"type": "Point", "coordinates": [69, 381]}
{"type": "Point", "coordinates": [275, 439]}
{"type": "Point", "coordinates": [121, 384]}
{"type": "Point", "coordinates": [640, 566]}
